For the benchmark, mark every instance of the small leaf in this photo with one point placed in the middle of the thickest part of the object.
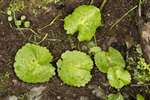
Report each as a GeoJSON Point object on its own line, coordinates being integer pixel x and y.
{"type": "Point", "coordinates": [101, 61]}
{"type": "Point", "coordinates": [115, 58]}
{"type": "Point", "coordinates": [32, 64]}
{"type": "Point", "coordinates": [105, 60]}
{"type": "Point", "coordinates": [139, 97]}
{"type": "Point", "coordinates": [118, 77]}
{"type": "Point", "coordinates": [95, 49]}
{"type": "Point", "coordinates": [26, 24]}
{"type": "Point", "coordinates": [85, 19]}
{"type": "Point", "coordinates": [74, 68]}
{"type": "Point", "coordinates": [18, 23]}
{"type": "Point", "coordinates": [23, 17]}
{"type": "Point", "coordinates": [9, 12]}
{"type": "Point", "coordinates": [115, 97]}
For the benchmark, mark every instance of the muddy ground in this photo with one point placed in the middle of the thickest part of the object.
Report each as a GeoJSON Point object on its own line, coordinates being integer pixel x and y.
{"type": "Point", "coordinates": [57, 42]}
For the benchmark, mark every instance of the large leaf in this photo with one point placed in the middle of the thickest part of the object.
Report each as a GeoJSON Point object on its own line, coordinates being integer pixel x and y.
{"type": "Point", "coordinates": [85, 19]}
{"type": "Point", "coordinates": [74, 68]}
{"type": "Point", "coordinates": [118, 77]}
{"type": "Point", "coordinates": [32, 64]}
{"type": "Point", "coordinates": [105, 60]}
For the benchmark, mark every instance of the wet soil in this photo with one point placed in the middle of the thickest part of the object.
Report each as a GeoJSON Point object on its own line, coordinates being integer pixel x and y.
{"type": "Point", "coordinates": [58, 42]}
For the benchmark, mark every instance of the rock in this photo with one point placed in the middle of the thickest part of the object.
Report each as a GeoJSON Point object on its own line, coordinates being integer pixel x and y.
{"type": "Point", "coordinates": [58, 97]}
{"type": "Point", "coordinates": [84, 98]}
{"type": "Point", "coordinates": [13, 98]}
{"type": "Point", "coordinates": [97, 91]}
{"type": "Point", "coordinates": [35, 93]}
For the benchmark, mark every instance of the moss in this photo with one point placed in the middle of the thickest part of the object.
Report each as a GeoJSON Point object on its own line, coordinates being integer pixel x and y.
{"type": "Point", "coordinates": [142, 73]}
{"type": "Point", "coordinates": [30, 5]}
{"type": "Point", "coordinates": [16, 5]}
{"type": "Point", "coordinates": [4, 82]}
{"type": "Point", "coordinates": [42, 4]}
{"type": "Point", "coordinates": [136, 64]}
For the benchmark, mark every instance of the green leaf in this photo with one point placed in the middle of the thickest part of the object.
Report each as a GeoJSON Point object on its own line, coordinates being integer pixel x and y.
{"type": "Point", "coordinates": [105, 60]}
{"type": "Point", "coordinates": [16, 6]}
{"type": "Point", "coordinates": [139, 97]}
{"type": "Point", "coordinates": [142, 71]}
{"type": "Point", "coordinates": [74, 68]}
{"type": "Point", "coordinates": [9, 12]}
{"type": "Point", "coordinates": [115, 97]}
{"type": "Point", "coordinates": [95, 49]}
{"type": "Point", "coordinates": [101, 61]}
{"type": "Point", "coordinates": [32, 64]}
{"type": "Point", "coordinates": [118, 77]}
{"type": "Point", "coordinates": [112, 63]}
{"type": "Point", "coordinates": [18, 23]}
{"type": "Point", "coordinates": [115, 58]}
{"type": "Point", "coordinates": [26, 24]}
{"type": "Point", "coordinates": [85, 19]}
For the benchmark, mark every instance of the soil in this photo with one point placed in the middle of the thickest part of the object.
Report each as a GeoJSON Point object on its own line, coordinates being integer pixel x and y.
{"type": "Point", "coordinates": [58, 42]}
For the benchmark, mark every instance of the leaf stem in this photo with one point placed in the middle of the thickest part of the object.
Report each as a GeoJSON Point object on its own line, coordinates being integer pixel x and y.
{"type": "Point", "coordinates": [43, 38]}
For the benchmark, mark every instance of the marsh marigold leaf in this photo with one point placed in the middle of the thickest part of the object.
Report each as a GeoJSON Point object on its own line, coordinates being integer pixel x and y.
{"type": "Point", "coordinates": [85, 19]}
{"type": "Point", "coordinates": [32, 64]}
{"type": "Point", "coordinates": [74, 68]}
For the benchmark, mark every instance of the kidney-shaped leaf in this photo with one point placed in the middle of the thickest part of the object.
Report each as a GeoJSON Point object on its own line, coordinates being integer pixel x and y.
{"type": "Point", "coordinates": [85, 19]}
{"type": "Point", "coordinates": [32, 64]}
{"type": "Point", "coordinates": [105, 60]}
{"type": "Point", "coordinates": [74, 68]}
{"type": "Point", "coordinates": [118, 77]}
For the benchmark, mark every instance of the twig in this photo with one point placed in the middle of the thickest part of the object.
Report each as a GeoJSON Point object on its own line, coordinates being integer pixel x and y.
{"type": "Point", "coordinates": [91, 2]}
{"type": "Point", "coordinates": [34, 32]}
{"type": "Point", "coordinates": [139, 9]}
{"type": "Point", "coordinates": [43, 38]}
{"type": "Point", "coordinates": [122, 17]}
{"type": "Point", "coordinates": [49, 23]}
{"type": "Point", "coordinates": [54, 40]}
{"type": "Point", "coordinates": [2, 12]}
{"type": "Point", "coordinates": [138, 85]}
{"type": "Point", "coordinates": [95, 40]}
{"type": "Point", "coordinates": [103, 4]}
{"type": "Point", "coordinates": [30, 29]}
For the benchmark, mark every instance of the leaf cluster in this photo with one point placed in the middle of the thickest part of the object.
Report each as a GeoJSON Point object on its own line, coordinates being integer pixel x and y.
{"type": "Point", "coordinates": [32, 62]}
{"type": "Point", "coordinates": [21, 22]}
{"type": "Point", "coordinates": [142, 72]}
{"type": "Point", "coordinates": [112, 63]}
{"type": "Point", "coordinates": [16, 5]}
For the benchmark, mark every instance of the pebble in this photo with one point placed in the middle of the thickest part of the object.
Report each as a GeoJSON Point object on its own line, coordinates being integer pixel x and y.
{"type": "Point", "coordinates": [58, 97]}
{"type": "Point", "coordinates": [84, 98]}
{"type": "Point", "coordinates": [97, 91]}
{"type": "Point", "coordinates": [13, 98]}
{"type": "Point", "coordinates": [35, 93]}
